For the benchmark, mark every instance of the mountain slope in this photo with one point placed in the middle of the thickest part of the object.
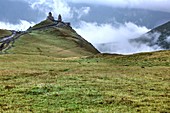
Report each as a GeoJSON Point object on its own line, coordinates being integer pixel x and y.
{"type": "Point", "coordinates": [157, 37]}
{"type": "Point", "coordinates": [4, 33]}
{"type": "Point", "coordinates": [47, 39]}
{"type": "Point", "coordinates": [105, 83]}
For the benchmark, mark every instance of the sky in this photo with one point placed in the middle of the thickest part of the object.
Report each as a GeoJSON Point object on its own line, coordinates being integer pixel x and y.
{"type": "Point", "coordinates": [108, 24]}
{"type": "Point", "coordinates": [157, 5]}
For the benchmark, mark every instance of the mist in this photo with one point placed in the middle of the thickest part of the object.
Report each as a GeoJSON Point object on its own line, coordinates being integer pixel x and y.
{"type": "Point", "coordinates": [115, 39]}
{"type": "Point", "coordinates": [22, 26]}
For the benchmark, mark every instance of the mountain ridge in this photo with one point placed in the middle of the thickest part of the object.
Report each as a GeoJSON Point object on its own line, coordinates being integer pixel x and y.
{"type": "Point", "coordinates": [157, 37]}
{"type": "Point", "coordinates": [47, 32]}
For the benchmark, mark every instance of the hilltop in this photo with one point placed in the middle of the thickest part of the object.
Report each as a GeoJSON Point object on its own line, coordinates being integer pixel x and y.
{"type": "Point", "coordinates": [52, 38]}
{"type": "Point", "coordinates": [4, 33]}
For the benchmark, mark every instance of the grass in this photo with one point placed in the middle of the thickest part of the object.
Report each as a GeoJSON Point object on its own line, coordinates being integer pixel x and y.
{"type": "Point", "coordinates": [4, 33]}
{"type": "Point", "coordinates": [53, 70]}
{"type": "Point", "coordinates": [37, 83]}
{"type": "Point", "coordinates": [51, 42]}
{"type": "Point", "coordinates": [42, 24]}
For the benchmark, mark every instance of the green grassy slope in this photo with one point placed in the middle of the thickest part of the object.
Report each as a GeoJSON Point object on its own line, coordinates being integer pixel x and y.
{"type": "Point", "coordinates": [43, 24]}
{"type": "Point", "coordinates": [57, 42]}
{"type": "Point", "coordinates": [4, 33]}
{"type": "Point", "coordinates": [102, 83]}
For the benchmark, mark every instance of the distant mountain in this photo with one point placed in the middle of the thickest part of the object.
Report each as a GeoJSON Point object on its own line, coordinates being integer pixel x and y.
{"type": "Point", "coordinates": [105, 14]}
{"type": "Point", "coordinates": [157, 37]}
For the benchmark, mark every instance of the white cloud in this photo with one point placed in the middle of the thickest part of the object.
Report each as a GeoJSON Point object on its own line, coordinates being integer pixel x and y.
{"type": "Point", "coordinates": [106, 33]}
{"type": "Point", "coordinates": [82, 11]}
{"type": "Point", "coordinates": [58, 7]}
{"type": "Point", "coordinates": [168, 39]}
{"type": "Point", "coordinates": [23, 25]}
{"type": "Point", "coordinates": [55, 6]}
{"type": "Point", "coordinates": [111, 39]}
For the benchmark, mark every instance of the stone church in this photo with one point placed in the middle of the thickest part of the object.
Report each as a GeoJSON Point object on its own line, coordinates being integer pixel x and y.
{"type": "Point", "coordinates": [59, 21]}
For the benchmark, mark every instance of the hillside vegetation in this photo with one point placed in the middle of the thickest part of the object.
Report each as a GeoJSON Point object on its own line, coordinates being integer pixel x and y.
{"type": "Point", "coordinates": [102, 83]}
{"type": "Point", "coordinates": [43, 24]}
{"type": "Point", "coordinates": [4, 33]}
{"type": "Point", "coordinates": [54, 70]}
{"type": "Point", "coordinates": [52, 41]}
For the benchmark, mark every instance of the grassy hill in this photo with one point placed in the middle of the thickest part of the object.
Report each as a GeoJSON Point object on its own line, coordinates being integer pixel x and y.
{"type": "Point", "coordinates": [4, 32]}
{"type": "Point", "coordinates": [52, 41]}
{"type": "Point", "coordinates": [43, 24]}
{"type": "Point", "coordinates": [54, 70]}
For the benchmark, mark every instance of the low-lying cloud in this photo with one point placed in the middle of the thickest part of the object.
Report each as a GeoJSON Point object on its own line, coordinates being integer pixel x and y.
{"type": "Point", "coordinates": [23, 25]}
{"type": "Point", "coordinates": [115, 39]}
